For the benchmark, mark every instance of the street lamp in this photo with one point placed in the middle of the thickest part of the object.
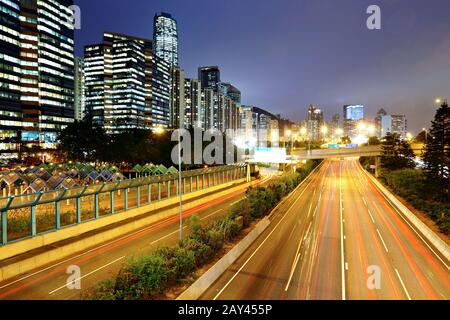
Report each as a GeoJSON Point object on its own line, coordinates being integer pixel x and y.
{"type": "Point", "coordinates": [426, 135]}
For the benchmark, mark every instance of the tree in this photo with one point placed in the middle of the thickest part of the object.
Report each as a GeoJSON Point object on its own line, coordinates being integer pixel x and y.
{"type": "Point", "coordinates": [437, 154]}
{"type": "Point", "coordinates": [374, 141]}
{"type": "Point", "coordinates": [84, 140]}
{"type": "Point", "coordinates": [397, 154]}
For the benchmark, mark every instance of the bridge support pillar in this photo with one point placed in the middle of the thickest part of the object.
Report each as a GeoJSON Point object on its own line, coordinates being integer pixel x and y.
{"type": "Point", "coordinates": [377, 167]}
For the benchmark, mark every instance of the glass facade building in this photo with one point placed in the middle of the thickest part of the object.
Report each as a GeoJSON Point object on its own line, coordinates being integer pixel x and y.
{"type": "Point", "coordinates": [36, 73]}
{"type": "Point", "coordinates": [165, 38]}
{"type": "Point", "coordinates": [209, 77]}
{"type": "Point", "coordinates": [126, 85]}
{"type": "Point", "coordinates": [353, 114]}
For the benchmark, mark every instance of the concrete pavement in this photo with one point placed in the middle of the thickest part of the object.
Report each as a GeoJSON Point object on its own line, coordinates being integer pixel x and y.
{"type": "Point", "coordinates": [337, 238]}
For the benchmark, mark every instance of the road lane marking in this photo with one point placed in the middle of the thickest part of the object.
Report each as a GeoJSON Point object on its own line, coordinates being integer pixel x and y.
{"type": "Point", "coordinates": [371, 216]}
{"type": "Point", "coordinates": [236, 202]}
{"type": "Point", "coordinates": [364, 201]}
{"type": "Point", "coordinates": [403, 284]}
{"type": "Point", "coordinates": [366, 178]}
{"type": "Point", "coordinates": [346, 266]}
{"type": "Point", "coordinates": [262, 243]}
{"type": "Point", "coordinates": [297, 258]}
{"type": "Point", "coordinates": [341, 211]}
{"type": "Point", "coordinates": [88, 274]}
{"type": "Point", "coordinates": [382, 240]}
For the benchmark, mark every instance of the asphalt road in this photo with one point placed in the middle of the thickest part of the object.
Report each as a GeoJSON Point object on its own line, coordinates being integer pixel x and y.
{"type": "Point", "coordinates": [104, 261]}
{"type": "Point", "coordinates": [336, 237]}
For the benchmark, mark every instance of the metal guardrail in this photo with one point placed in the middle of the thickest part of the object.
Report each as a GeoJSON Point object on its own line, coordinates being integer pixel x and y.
{"type": "Point", "coordinates": [29, 215]}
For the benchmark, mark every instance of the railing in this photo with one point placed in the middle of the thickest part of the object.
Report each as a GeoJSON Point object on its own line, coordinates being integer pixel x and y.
{"type": "Point", "coordinates": [29, 215]}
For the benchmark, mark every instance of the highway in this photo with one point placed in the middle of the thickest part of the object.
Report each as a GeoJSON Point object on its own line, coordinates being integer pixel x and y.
{"type": "Point", "coordinates": [104, 261]}
{"type": "Point", "coordinates": [336, 238]}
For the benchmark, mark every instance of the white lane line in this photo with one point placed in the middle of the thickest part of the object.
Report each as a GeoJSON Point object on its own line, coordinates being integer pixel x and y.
{"type": "Point", "coordinates": [371, 216]}
{"type": "Point", "coordinates": [88, 274]}
{"type": "Point", "coordinates": [366, 178]}
{"type": "Point", "coordinates": [260, 246]}
{"type": "Point", "coordinates": [403, 284]}
{"type": "Point", "coordinates": [310, 207]}
{"type": "Point", "coordinates": [346, 266]}
{"type": "Point", "coordinates": [364, 200]}
{"type": "Point", "coordinates": [297, 259]}
{"type": "Point", "coordinates": [382, 240]}
{"type": "Point", "coordinates": [236, 202]}
{"type": "Point", "coordinates": [341, 211]}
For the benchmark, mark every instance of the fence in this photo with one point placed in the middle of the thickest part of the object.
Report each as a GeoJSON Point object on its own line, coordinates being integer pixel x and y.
{"type": "Point", "coordinates": [29, 215]}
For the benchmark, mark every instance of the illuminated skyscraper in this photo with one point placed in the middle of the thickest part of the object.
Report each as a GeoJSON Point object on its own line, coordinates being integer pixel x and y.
{"type": "Point", "coordinates": [36, 72]}
{"type": "Point", "coordinates": [165, 38]}
{"type": "Point", "coordinates": [353, 114]}
{"type": "Point", "coordinates": [127, 86]}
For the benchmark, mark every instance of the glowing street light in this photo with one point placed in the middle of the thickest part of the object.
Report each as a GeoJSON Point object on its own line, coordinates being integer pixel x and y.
{"type": "Point", "coordinates": [159, 130]}
{"type": "Point", "coordinates": [340, 132]}
{"type": "Point", "coordinates": [303, 131]}
{"type": "Point", "coordinates": [438, 101]}
{"type": "Point", "coordinates": [371, 129]}
{"type": "Point", "coordinates": [324, 130]}
{"type": "Point", "coordinates": [409, 136]}
{"type": "Point", "coordinates": [362, 126]}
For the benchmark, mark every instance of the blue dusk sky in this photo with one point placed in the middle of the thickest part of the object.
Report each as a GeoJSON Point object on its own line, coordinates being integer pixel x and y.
{"type": "Point", "coordinates": [287, 54]}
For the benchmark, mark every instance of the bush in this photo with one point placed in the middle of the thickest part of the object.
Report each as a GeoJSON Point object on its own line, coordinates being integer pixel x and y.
{"type": "Point", "coordinates": [410, 185]}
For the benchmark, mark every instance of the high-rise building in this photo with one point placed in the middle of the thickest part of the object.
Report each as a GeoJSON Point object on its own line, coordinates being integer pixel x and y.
{"type": "Point", "coordinates": [378, 124]}
{"type": "Point", "coordinates": [127, 86]}
{"type": "Point", "coordinates": [194, 112]}
{"type": "Point", "coordinates": [160, 89]}
{"type": "Point", "coordinates": [79, 104]}
{"type": "Point", "coordinates": [353, 115]}
{"type": "Point", "coordinates": [315, 122]}
{"type": "Point", "coordinates": [116, 82]}
{"type": "Point", "coordinates": [36, 72]}
{"type": "Point", "coordinates": [259, 124]}
{"type": "Point", "coordinates": [231, 91]}
{"type": "Point", "coordinates": [165, 38]}
{"type": "Point", "coordinates": [335, 125]}
{"type": "Point", "coordinates": [209, 77]}
{"type": "Point", "coordinates": [394, 124]}
{"type": "Point", "coordinates": [177, 107]}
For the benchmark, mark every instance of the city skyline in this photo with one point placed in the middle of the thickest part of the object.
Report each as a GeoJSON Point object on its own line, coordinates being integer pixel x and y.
{"type": "Point", "coordinates": [380, 77]}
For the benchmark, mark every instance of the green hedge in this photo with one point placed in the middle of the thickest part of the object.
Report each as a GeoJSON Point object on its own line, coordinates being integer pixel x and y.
{"type": "Point", "coordinates": [149, 276]}
{"type": "Point", "coordinates": [410, 185]}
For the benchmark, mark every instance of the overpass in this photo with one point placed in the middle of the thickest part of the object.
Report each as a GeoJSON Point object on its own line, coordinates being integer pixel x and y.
{"type": "Point", "coordinates": [367, 151]}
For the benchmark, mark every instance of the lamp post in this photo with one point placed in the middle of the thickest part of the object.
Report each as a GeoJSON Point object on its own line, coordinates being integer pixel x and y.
{"type": "Point", "coordinates": [426, 135]}
{"type": "Point", "coordinates": [180, 189]}
{"type": "Point", "coordinates": [160, 131]}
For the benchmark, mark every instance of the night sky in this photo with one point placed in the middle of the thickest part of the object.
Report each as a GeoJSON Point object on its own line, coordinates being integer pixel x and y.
{"type": "Point", "coordinates": [287, 54]}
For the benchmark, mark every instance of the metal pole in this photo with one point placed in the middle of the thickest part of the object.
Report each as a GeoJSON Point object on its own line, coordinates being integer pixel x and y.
{"type": "Point", "coordinates": [179, 183]}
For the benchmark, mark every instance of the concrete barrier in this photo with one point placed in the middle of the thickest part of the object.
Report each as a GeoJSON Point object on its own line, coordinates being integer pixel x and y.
{"type": "Point", "coordinates": [432, 237]}
{"type": "Point", "coordinates": [57, 252]}
{"type": "Point", "coordinates": [199, 287]}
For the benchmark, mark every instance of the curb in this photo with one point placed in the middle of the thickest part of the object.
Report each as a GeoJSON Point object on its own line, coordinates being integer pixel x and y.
{"type": "Point", "coordinates": [434, 239]}
{"type": "Point", "coordinates": [199, 287]}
